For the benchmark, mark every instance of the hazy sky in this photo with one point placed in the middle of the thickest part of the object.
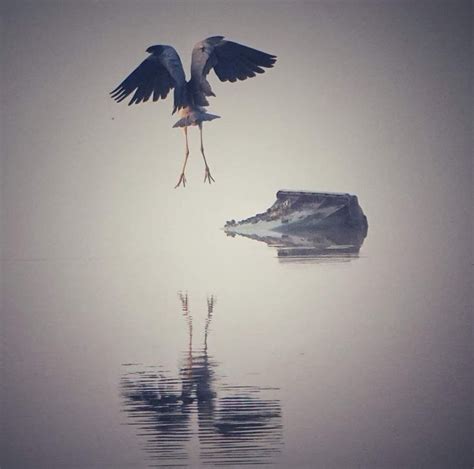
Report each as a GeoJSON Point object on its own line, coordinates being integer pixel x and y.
{"type": "Point", "coordinates": [371, 98]}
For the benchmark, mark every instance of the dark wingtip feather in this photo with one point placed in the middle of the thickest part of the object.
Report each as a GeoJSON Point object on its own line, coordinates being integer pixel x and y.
{"type": "Point", "coordinates": [239, 62]}
{"type": "Point", "coordinates": [118, 94]}
{"type": "Point", "coordinates": [150, 79]}
{"type": "Point", "coordinates": [115, 92]}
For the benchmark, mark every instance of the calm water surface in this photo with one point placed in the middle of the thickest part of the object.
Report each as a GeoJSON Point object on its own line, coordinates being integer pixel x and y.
{"type": "Point", "coordinates": [221, 354]}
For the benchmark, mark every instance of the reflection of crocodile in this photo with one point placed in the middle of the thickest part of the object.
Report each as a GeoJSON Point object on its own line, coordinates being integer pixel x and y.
{"type": "Point", "coordinates": [307, 224]}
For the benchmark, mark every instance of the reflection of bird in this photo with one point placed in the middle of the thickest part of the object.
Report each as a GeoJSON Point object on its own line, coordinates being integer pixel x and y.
{"type": "Point", "coordinates": [163, 71]}
{"type": "Point", "coordinates": [236, 424]}
{"type": "Point", "coordinates": [197, 369]}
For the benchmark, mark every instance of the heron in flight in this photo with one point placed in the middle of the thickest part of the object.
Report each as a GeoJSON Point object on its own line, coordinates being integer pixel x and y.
{"type": "Point", "coordinates": [162, 71]}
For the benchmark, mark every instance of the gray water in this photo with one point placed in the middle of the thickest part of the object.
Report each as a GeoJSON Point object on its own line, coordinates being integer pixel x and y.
{"type": "Point", "coordinates": [220, 353]}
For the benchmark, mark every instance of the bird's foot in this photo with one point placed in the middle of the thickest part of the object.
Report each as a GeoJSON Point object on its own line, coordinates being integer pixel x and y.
{"type": "Point", "coordinates": [207, 176]}
{"type": "Point", "coordinates": [182, 179]}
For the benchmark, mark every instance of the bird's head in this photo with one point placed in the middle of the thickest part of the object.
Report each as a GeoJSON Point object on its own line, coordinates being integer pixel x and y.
{"type": "Point", "coordinates": [155, 50]}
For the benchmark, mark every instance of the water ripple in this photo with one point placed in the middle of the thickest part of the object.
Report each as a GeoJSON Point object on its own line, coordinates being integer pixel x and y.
{"type": "Point", "coordinates": [228, 425]}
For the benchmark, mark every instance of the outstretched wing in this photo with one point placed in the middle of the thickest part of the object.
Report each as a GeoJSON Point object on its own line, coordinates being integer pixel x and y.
{"type": "Point", "coordinates": [231, 62]}
{"type": "Point", "coordinates": [156, 75]}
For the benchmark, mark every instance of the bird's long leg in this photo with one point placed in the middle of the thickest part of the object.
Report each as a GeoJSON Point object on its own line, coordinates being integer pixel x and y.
{"type": "Point", "coordinates": [182, 178]}
{"type": "Point", "coordinates": [207, 174]}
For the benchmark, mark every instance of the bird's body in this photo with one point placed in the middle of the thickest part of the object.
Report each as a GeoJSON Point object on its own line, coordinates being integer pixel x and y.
{"type": "Point", "coordinates": [162, 71]}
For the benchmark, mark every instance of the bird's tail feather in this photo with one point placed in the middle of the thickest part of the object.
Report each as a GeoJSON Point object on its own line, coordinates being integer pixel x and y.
{"type": "Point", "coordinates": [195, 119]}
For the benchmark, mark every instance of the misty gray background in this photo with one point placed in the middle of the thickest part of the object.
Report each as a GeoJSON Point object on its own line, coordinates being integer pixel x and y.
{"type": "Point", "coordinates": [371, 98]}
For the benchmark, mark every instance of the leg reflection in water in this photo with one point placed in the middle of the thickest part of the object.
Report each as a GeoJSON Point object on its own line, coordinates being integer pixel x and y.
{"type": "Point", "coordinates": [234, 424]}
